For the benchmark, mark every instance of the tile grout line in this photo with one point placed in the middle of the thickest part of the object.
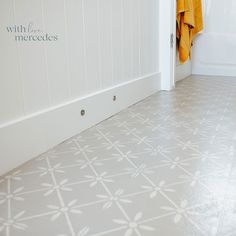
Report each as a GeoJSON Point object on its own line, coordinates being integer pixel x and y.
{"type": "Point", "coordinates": [163, 194]}
{"type": "Point", "coordinates": [143, 116]}
{"type": "Point", "coordinates": [136, 167]}
{"type": "Point", "coordinates": [178, 166]}
{"type": "Point", "coordinates": [59, 195]}
{"type": "Point", "coordinates": [104, 186]}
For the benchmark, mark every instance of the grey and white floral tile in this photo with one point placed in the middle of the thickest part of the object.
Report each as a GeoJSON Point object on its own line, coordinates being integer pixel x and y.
{"type": "Point", "coordinates": [130, 183]}
{"type": "Point", "coordinates": [98, 220]}
{"type": "Point", "coordinates": [164, 166]}
{"type": "Point", "coordinates": [44, 225]}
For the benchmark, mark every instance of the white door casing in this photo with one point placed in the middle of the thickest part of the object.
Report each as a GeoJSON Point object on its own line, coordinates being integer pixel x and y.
{"type": "Point", "coordinates": [167, 48]}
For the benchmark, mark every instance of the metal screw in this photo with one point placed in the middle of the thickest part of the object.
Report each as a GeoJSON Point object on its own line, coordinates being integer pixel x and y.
{"type": "Point", "coordinates": [82, 112]}
{"type": "Point", "coordinates": [114, 98]}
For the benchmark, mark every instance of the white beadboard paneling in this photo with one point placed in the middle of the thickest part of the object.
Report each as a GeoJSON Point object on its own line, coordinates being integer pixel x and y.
{"type": "Point", "coordinates": [57, 61]}
{"type": "Point", "coordinates": [101, 43]}
{"type": "Point", "coordinates": [31, 58]}
{"type": "Point", "coordinates": [92, 45]}
{"type": "Point", "coordinates": [11, 98]}
{"type": "Point", "coordinates": [128, 40]}
{"type": "Point", "coordinates": [149, 31]}
{"type": "Point", "coordinates": [43, 130]}
{"type": "Point", "coordinates": [155, 35]}
{"type": "Point", "coordinates": [136, 38]}
{"type": "Point", "coordinates": [152, 39]}
{"type": "Point", "coordinates": [118, 40]}
{"type": "Point", "coordinates": [144, 36]}
{"type": "Point", "coordinates": [106, 57]}
{"type": "Point", "coordinates": [76, 47]}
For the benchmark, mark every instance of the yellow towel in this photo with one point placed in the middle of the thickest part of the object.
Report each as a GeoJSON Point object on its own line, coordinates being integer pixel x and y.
{"type": "Point", "coordinates": [189, 23]}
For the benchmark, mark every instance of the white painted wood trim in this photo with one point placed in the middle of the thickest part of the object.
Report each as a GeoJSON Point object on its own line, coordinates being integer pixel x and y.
{"type": "Point", "coordinates": [167, 54]}
{"type": "Point", "coordinates": [28, 137]}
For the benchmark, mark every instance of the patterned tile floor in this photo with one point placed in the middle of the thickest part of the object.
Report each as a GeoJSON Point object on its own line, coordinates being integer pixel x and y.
{"type": "Point", "coordinates": [164, 167]}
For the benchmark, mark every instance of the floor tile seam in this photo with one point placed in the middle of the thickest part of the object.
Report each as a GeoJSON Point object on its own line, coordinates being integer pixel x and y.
{"type": "Point", "coordinates": [150, 181]}
{"type": "Point", "coordinates": [104, 186]}
{"type": "Point", "coordinates": [36, 216]}
{"type": "Point", "coordinates": [32, 191]}
{"type": "Point", "coordinates": [109, 231]}
{"type": "Point", "coordinates": [148, 145]}
{"type": "Point", "coordinates": [61, 200]}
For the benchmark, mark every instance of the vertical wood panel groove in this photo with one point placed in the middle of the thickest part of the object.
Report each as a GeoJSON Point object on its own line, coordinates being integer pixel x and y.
{"type": "Point", "coordinates": [84, 47]}
{"type": "Point", "coordinates": [67, 49]}
{"type": "Point", "coordinates": [101, 43]}
{"type": "Point", "coordinates": [132, 38]}
{"type": "Point", "coordinates": [122, 40]}
{"type": "Point", "coordinates": [112, 54]}
{"type": "Point", "coordinates": [45, 55]}
{"type": "Point", "coordinates": [139, 34]}
{"type": "Point", "coordinates": [19, 65]}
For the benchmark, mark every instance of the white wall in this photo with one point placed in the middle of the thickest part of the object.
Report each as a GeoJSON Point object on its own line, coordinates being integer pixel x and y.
{"type": "Point", "coordinates": [103, 47]}
{"type": "Point", "coordinates": [182, 70]}
{"type": "Point", "coordinates": [215, 50]}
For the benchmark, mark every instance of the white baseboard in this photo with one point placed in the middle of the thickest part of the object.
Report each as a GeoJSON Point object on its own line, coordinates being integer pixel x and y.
{"type": "Point", "coordinates": [26, 138]}
{"type": "Point", "coordinates": [214, 70]}
{"type": "Point", "coordinates": [183, 71]}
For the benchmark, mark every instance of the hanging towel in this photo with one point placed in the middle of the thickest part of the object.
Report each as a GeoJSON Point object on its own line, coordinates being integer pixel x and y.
{"type": "Point", "coordinates": [198, 18]}
{"type": "Point", "coordinates": [189, 23]}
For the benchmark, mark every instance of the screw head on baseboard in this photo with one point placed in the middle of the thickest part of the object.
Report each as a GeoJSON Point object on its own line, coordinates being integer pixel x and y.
{"type": "Point", "coordinates": [82, 112]}
{"type": "Point", "coordinates": [114, 98]}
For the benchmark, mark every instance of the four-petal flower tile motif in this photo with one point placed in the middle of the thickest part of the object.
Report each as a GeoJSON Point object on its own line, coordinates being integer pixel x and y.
{"type": "Point", "coordinates": [163, 167]}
